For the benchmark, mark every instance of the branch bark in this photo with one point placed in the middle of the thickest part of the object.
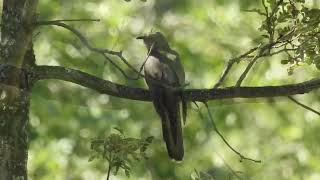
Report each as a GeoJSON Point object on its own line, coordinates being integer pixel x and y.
{"type": "Point", "coordinates": [89, 81]}
{"type": "Point", "coordinates": [106, 87]}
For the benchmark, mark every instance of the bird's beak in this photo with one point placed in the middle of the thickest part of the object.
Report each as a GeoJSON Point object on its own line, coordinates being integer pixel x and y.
{"type": "Point", "coordinates": [140, 37]}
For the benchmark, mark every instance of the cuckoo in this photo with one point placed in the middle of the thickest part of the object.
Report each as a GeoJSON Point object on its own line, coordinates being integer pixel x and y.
{"type": "Point", "coordinates": [165, 76]}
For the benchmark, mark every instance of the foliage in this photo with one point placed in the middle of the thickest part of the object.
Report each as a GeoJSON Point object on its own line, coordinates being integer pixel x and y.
{"type": "Point", "coordinates": [292, 28]}
{"type": "Point", "coordinates": [119, 151]}
{"type": "Point", "coordinates": [201, 176]}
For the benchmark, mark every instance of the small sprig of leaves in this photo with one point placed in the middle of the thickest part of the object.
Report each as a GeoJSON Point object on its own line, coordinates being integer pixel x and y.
{"type": "Point", "coordinates": [288, 28]}
{"type": "Point", "coordinates": [292, 28]}
{"type": "Point", "coordinates": [119, 151]}
{"type": "Point", "coordinates": [200, 175]}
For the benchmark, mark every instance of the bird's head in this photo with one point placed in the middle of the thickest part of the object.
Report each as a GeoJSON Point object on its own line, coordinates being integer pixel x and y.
{"type": "Point", "coordinates": [156, 41]}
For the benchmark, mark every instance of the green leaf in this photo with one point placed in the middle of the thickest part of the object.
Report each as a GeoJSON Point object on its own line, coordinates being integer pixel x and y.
{"type": "Point", "coordinates": [149, 139]}
{"type": "Point", "coordinates": [127, 172]}
{"type": "Point", "coordinates": [285, 61]}
{"type": "Point", "coordinates": [118, 129]}
{"type": "Point", "coordinates": [91, 158]}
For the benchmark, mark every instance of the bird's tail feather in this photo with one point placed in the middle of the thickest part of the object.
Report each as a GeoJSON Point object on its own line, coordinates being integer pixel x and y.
{"type": "Point", "coordinates": [184, 109]}
{"type": "Point", "coordinates": [167, 105]}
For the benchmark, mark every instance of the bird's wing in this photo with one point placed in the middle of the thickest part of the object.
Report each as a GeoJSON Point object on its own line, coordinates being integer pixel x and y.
{"type": "Point", "coordinates": [179, 71]}
{"type": "Point", "coordinates": [173, 63]}
{"type": "Point", "coordinates": [176, 66]}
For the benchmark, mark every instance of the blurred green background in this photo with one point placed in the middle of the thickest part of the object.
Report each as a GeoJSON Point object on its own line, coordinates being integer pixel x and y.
{"type": "Point", "coordinates": [206, 33]}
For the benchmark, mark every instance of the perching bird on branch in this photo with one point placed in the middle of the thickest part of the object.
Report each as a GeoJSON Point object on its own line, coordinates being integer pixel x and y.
{"type": "Point", "coordinates": [164, 75]}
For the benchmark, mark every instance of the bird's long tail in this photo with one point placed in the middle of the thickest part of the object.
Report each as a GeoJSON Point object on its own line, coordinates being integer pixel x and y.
{"type": "Point", "coordinates": [167, 105]}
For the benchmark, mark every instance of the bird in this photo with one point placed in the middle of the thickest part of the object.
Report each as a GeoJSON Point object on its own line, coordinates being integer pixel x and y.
{"type": "Point", "coordinates": [164, 75]}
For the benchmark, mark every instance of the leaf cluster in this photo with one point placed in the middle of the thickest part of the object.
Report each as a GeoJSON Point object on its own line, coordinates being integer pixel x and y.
{"type": "Point", "coordinates": [200, 175]}
{"type": "Point", "coordinates": [120, 151]}
{"type": "Point", "coordinates": [292, 28]}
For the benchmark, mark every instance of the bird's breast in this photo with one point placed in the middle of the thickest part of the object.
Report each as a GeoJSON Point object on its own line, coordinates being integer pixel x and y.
{"type": "Point", "coordinates": [158, 70]}
{"type": "Point", "coordinates": [153, 68]}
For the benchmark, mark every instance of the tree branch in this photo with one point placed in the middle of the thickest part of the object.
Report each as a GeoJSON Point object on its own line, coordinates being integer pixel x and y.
{"type": "Point", "coordinates": [89, 81]}
{"type": "Point", "coordinates": [303, 105]}
{"type": "Point", "coordinates": [242, 157]}
{"type": "Point", "coordinates": [122, 91]}
{"type": "Point", "coordinates": [264, 51]}
{"type": "Point", "coordinates": [103, 52]}
{"type": "Point", "coordinates": [231, 63]}
{"type": "Point", "coordinates": [78, 34]}
{"type": "Point", "coordinates": [246, 71]}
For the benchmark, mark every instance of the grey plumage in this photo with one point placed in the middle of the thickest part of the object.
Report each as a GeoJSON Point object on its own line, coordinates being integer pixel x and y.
{"type": "Point", "coordinates": [163, 73]}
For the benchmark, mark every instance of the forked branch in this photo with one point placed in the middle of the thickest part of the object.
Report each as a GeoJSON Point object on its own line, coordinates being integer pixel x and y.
{"type": "Point", "coordinates": [103, 52]}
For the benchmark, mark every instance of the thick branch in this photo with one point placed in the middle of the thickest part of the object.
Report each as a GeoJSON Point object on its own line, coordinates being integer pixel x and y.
{"type": "Point", "coordinates": [89, 81]}
{"type": "Point", "coordinates": [113, 89]}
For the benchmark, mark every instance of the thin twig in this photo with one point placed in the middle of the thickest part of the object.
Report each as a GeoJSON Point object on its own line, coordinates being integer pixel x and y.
{"type": "Point", "coordinates": [117, 66]}
{"type": "Point", "coordinates": [265, 51]}
{"type": "Point", "coordinates": [255, 11]}
{"type": "Point", "coordinates": [253, 60]}
{"type": "Point", "coordinates": [97, 50]}
{"type": "Point", "coordinates": [109, 170]}
{"type": "Point", "coordinates": [282, 50]}
{"type": "Point", "coordinates": [265, 7]}
{"type": "Point", "coordinates": [246, 71]}
{"type": "Point", "coordinates": [110, 165]}
{"type": "Point", "coordinates": [130, 66]}
{"type": "Point", "coordinates": [242, 157]}
{"type": "Point", "coordinates": [225, 73]}
{"type": "Point", "coordinates": [303, 105]}
{"type": "Point", "coordinates": [144, 62]}
{"type": "Point", "coordinates": [229, 167]}
{"type": "Point", "coordinates": [79, 35]}
{"type": "Point", "coordinates": [231, 63]}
